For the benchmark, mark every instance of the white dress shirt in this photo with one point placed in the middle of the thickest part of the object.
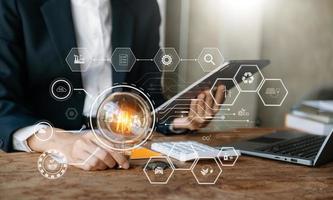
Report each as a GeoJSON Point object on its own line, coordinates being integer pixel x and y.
{"type": "Point", "coordinates": [92, 24]}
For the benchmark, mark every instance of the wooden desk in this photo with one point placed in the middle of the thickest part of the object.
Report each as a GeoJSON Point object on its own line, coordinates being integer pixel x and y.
{"type": "Point", "coordinates": [251, 178]}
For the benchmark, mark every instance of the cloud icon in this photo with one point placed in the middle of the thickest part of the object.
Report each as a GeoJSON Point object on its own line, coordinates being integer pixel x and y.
{"type": "Point", "coordinates": [61, 89]}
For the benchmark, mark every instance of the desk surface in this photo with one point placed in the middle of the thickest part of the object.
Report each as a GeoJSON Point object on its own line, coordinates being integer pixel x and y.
{"type": "Point", "coordinates": [251, 178]}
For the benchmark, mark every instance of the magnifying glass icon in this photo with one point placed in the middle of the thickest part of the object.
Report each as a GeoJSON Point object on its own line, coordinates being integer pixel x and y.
{"type": "Point", "coordinates": [208, 58]}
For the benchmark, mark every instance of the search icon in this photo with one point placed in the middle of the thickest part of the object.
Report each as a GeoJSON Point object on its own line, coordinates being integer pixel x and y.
{"type": "Point", "coordinates": [208, 58]}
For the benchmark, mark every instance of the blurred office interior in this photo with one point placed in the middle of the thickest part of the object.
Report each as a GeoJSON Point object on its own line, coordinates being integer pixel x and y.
{"type": "Point", "coordinates": [296, 35]}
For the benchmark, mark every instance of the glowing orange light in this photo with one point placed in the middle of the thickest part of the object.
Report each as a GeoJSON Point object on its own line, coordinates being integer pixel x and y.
{"type": "Point", "coordinates": [123, 122]}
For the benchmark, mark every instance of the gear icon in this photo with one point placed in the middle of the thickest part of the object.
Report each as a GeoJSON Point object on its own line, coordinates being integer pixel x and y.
{"type": "Point", "coordinates": [166, 60]}
{"type": "Point", "coordinates": [52, 164]}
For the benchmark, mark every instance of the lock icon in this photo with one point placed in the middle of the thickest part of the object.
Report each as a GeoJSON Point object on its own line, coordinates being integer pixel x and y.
{"type": "Point", "coordinates": [226, 156]}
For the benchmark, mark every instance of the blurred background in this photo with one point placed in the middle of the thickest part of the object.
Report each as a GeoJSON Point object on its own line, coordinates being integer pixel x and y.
{"type": "Point", "coordinates": [296, 35]}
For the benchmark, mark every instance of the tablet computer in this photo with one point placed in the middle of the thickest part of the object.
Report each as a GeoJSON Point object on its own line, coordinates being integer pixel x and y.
{"type": "Point", "coordinates": [228, 74]}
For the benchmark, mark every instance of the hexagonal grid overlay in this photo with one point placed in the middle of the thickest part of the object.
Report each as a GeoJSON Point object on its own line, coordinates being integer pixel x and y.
{"type": "Point", "coordinates": [210, 58]}
{"type": "Point", "coordinates": [226, 158]}
{"type": "Point", "coordinates": [78, 59]}
{"type": "Point", "coordinates": [205, 171]}
{"type": "Point", "coordinates": [181, 164]}
{"type": "Point", "coordinates": [230, 95]}
{"type": "Point", "coordinates": [156, 174]}
{"type": "Point", "coordinates": [167, 59]}
{"type": "Point", "coordinates": [248, 78]}
{"type": "Point", "coordinates": [273, 92]}
{"type": "Point", "coordinates": [123, 59]}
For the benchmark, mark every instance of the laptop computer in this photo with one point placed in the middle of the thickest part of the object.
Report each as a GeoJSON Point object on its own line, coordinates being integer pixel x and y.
{"type": "Point", "coordinates": [290, 146]}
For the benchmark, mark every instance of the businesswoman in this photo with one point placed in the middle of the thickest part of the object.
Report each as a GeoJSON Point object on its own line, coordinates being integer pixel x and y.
{"type": "Point", "coordinates": [35, 38]}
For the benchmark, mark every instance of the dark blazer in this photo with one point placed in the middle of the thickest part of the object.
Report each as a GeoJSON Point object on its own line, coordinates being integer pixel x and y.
{"type": "Point", "coordinates": [35, 38]}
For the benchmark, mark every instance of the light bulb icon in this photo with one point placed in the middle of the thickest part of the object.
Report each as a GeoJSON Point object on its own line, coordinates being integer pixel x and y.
{"type": "Point", "coordinates": [124, 118]}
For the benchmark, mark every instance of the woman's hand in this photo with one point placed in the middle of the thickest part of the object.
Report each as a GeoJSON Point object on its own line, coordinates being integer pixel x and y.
{"type": "Point", "coordinates": [81, 151]}
{"type": "Point", "coordinates": [202, 110]}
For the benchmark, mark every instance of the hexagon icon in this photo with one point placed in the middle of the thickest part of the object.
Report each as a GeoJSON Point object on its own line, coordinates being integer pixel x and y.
{"type": "Point", "coordinates": [167, 59]}
{"type": "Point", "coordinates": [182, 164]}
{"type": "Point", "coordinates": [71, 113]}
{"type": "Point", "coordinates": [248, 78]}
{"type": "Point", "coordinates": [273, 92]}
{"type": "Point", "coordinates": [78, 59]}
{"type": "Point", "coordinates": [206, 170]}
{"type": "Point", "coordinates": [228, 156]}
{"type": "Point", "coordinates": [210, 58]}
{"type": "Point", "coordinates": [230, 95]}
{"type": "Point", "coordinates": [156, 172]}
{"type": "Point", "coordinates": [123, 59]}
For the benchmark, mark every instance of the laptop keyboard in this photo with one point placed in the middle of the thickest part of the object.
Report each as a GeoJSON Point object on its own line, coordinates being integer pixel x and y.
{"type": "Point", "coordinates": [304, 147]}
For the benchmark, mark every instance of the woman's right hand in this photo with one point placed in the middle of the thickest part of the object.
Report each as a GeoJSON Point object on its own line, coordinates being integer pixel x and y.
{"type": "Point", "coordinates": [81, 151]}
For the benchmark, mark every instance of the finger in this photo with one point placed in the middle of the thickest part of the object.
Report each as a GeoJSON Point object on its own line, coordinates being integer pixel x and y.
{"type": "Point", "coordinates": [88, 151]}
{"type": "Point", "coordinates": [208, 104]}
{"type": "Point", "coordinates": [193, 109]}
{"type": "Point", "coordinates": [219, 97]}
{"type": "Point", "coordinates": [198, 122]}
{"type": "Point", "coordinates": [121, 159]}
{"type": "Point", "coordinates": [79, 155]}
{"type": "Point", "coordinates": [101, 165]}
{"type": "Point", "coordinates": [95, 163]}
{"type": "Point", "coordinates": [92, 160]}
{"type": "Point", "coordinates": [85, 167]}
{"type": "Point", "coordinates": [103, 155]}
{"type": "Point", "coordinates": [83, 161]}
{"type": "Point", "coordinates": [89, 166]}
{"type": "Point", "coordinates": [201, 105]}
{"type": "Point", "coordinates": [104, 159]}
